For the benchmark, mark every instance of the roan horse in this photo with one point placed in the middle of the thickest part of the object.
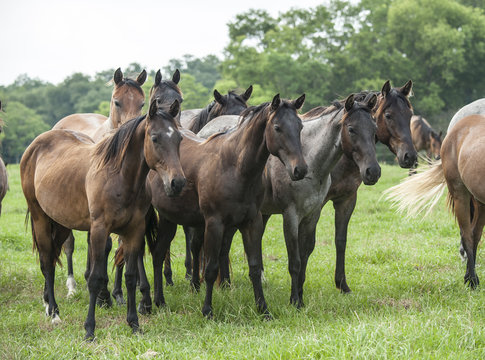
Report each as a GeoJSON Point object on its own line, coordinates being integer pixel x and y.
{"type": "Point", "coordinates": [224, 191]}
{"type": "Point", "coordinates": [461, 169]}
{"type": "Point", "coordinates": [3, 172]}
{"type": "Point", "coordinates": [344, 129]}
{"type": "Point", "coordinates": [105, 185]}
{"type": "Point", "coordinates": [127, 101]}
{"type": "Point", "coordinates": [425, 137]}
{"type": "Point", "coordinates": [392, 113]}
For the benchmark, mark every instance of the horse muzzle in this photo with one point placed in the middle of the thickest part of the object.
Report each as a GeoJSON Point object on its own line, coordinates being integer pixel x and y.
{"type": "Point", "coordinates": [371, 175]}
{"type": "Point", "coordinates": [176, 186]}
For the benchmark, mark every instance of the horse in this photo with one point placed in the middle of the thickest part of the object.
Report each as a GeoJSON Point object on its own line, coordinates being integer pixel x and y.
{"type": "Point", "coordinates": [166, 92]}
{"type": "Point", "coordinates": [392, 114]}
{"type": "Point", "coordinates": [224, 190]}
{"type": "Point", "coordinates": [474, 108]}
{"type": "Point", "coordinates": [3, 172]}
{"type": "Point", "coordinates": [230, 104]}
{"type": "Point", "coordinates": [345, 128]}
{"type": "Point", "coordinates": [460, 169]}
{"type": "Point", "coordinates": [105, 185]}
{"type": "Point", "coordinates": [127, 101]}
{"type": "Point", "coordinates": [425, 137]}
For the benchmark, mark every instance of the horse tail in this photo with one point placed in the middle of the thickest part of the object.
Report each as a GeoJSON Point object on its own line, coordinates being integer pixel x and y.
{"type": "Point", "coordinates": [35, 242]}
{"type": "Point", "coordinates": [420, 192]}
{"type": "Point", "coordinates": [151, 228]}
{"type": "Point", "coordinates": [119, 256]}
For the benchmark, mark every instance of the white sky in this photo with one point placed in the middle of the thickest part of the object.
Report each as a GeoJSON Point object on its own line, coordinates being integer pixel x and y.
{"type": "Point", "coordinates": [52, 39]}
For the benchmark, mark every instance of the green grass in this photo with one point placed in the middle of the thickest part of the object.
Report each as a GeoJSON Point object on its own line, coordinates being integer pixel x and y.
{"type": "Point", "coordinates": [408, 298]}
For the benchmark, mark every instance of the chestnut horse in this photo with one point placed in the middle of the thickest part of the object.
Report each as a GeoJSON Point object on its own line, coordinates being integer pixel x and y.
{"type": "Point", "coordinates": [224, 189]}
{"type": "Point", "coordinates": [127, 101]}
{"type": "Point", "coordinates": [425, 137]}
{"type": "Point", "coordinates": [70, 182]}
{"type": "Point", "coordinates": [461, 169]}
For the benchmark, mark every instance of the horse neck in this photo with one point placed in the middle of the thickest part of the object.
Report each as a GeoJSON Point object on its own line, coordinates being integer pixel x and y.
{"type": "Point", "coordinates": [322, 143]}
{"type": "Point", "coordinates": [201, 119]}
{"type": "Point", "coordinates": [134, 168]}
{"type": "Point", "coordinates": [250, 147]}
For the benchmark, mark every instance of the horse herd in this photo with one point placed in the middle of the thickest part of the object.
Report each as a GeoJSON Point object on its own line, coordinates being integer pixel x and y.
{"type": "Point", "coordinates": [217, 170]}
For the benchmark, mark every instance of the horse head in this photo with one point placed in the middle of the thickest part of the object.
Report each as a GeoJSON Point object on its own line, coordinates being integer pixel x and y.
{"type": "Point", "coordinates": [282, 135]}
{"type": "Point", "coordinates": [393, 116]}
{"type": "Point", "coordinates": [128, 98]}
{"type": "Point", "coordinates": [161, 147]}
{"type": "Point", "coordinates": [358, 137]}
{"type": "Point", "coordinates": [165, 92]}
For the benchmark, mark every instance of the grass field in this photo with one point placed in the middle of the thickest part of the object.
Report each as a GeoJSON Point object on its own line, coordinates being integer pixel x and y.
{"type": "Point", "coordinates": [408, 298]}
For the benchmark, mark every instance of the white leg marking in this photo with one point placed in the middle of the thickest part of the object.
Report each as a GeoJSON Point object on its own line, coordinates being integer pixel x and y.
{"type": "Point", "coordinates": [56, 320]}
{"type": "Point", "coordinates": [71, 286]}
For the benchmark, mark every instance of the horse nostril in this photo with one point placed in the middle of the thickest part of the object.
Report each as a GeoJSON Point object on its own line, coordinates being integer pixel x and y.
{"type": "Point", "coordinates": [177, 184]}
{"type": "Point", "coordinates": [299, 172]}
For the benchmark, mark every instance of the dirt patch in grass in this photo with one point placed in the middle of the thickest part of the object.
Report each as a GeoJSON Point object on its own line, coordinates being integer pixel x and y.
{"type": "Point", "coordinates": [405, 304]}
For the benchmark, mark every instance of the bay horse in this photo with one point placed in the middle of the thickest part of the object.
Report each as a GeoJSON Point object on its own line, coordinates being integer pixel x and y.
{"type": "Point", "coordinates": [70, 182]}
{"type": "Point", "coordinates": [345, 128]}
{"type": "Point", "coordinates": [3, 171]}
{"type": "Point", "coordinates": [127, 101]}
{"type": "Point", "coordinates": [224, 189]}
{"type": "Point", "coordinates": [425, 137]}
{"type": "Point", "coordinates": [461, 169]}
{"type": "Point", "coordinates": [230, 104]}
{"type": "Point", "coordinates": [392, 113]}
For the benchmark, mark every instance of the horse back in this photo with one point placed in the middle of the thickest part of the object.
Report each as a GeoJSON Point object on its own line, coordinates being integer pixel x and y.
{"type": "Point", "coordinates": [53, 174]}
{"type": "Point", "coordinates": [84, 123]}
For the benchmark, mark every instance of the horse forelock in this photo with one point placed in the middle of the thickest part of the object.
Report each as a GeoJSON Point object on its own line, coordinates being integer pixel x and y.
{"type": "Point", "coordinates": [392, 98]}
{"type": "Point", "coordinates": [111, 151]}
{"type": "Point", "coordinates": [130, 83]}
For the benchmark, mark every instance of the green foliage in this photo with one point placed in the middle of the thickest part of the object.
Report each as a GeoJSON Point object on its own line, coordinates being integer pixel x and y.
{"type": "Point", "coordinates": [195, 94]}
{"type": "Point", "coordinates": [22, 125]}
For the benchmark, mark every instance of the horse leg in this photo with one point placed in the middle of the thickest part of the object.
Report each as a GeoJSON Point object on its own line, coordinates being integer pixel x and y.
{"type": "Point", "coordinates": [344, 209]}
{"type": "Point", "coordinates": [214, 232]}
{"type": "Point", "coordinates": [225, 278]}
{"type": "Point", "coordinates": [290, 230]}
{"type": "Point", "coordinates": [461, 199]}
{"type": "Point", "coordinates": [145, 306]}
{"type": "Point", "coordinates": [196, 245]}
{"type": "Point", "coordinates": [189, 234]}
{"type": "Point", "coordinates": [88, 260]}
{"type": "Point", "coordinates": [306, 240]}
{"type": "Point", "coordinates": [167, 268]}
{"type": "Point", "coordinates": [104, 297]}
{"type": "Point", "coordinates": [166, 233]}
{"type": "Point", "coordinates": [98, 277]}
{"type": "Point", "coordinates": [69, 250]}
{"type": "Point", "coordinates": [119, 265]}
{"type": "Point", "coordinates": [252, 234]}
{"type": "Point", "coordinates": [479, 223]}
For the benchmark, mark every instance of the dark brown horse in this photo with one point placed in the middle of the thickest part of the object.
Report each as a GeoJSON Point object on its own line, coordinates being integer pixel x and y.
{"type": "Point", "coordinates": [425, 137]}
{"type": "Point", "coordinates": [392, 113]}
{"type": "Point", "coordinates": [165, 92]}
{"type": "Point", "coordinates": [230, 104]}
{"type": "Point", "coordinates": [71, 183]}
{"type": "Point", "coordinates": [461, 169]}
{"type": "Point", "coordinates": [3, 171]}
{"type": "Point", "coordinates": [224, 189]}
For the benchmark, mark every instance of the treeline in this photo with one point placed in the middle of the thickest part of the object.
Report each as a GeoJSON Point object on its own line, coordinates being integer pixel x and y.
{"type": "Point", "coordinates": [326, 52]}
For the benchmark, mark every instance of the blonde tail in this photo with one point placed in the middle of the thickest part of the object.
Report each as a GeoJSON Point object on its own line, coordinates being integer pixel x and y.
{"type": "Point", "coordinates": [419, 192]}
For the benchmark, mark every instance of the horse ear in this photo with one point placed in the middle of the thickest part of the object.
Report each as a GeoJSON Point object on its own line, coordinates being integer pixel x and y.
{"type": "Point", "coordinates": [406, 90]}
{"type": "Point", "coordinates": [174, 108]}
{"type": "Point", "coordinates": [219, 98]}
{"type": "Point", "coordinates": [248, 93]}
{"type": "Point", "coordinates": [142, 77]}
{"type": "Point", "coordinates": [440, 134]}
{"type": "Point", "coordinates": [153, 108]}
{"type": "Point", "coordinates": [275, 102]}
{"type": "Point", "coordinates": [386, 88]}
{"type": "Point", "coordinates": [349, 102]}
{"type": "Point", "coordinates": [371, 103]}
{"type": "Point", "coordinates": [118, 76]}
{"type": "Point", "coordinates": [176, 76]}
{"type": "Point", "coordinates": [158, 78]}
{"type": "Point", "coordinates": [299, 102]}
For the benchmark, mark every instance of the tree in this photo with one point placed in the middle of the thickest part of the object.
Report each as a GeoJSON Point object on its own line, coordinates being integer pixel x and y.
{"type": "Point", "coordinates": [22, 125]}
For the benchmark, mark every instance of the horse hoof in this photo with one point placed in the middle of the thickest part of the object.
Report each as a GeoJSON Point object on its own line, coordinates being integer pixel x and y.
{"type": "Point", "coordinates": [207, 312]}
{"type": "Point", "coordinates": [56, 320]}
{"type": "Point", "coordinates": [135, 330]}
{"type": "Point", "coordinates": [89, 337]}
{"type": "Point", "coordinates": [119, 300]}
{"type": "Point", "coordinates": [195, 286]}
{"type": "Point", "coordinates": [46, 306]}
{"type": "Point", "coordinates": [144, 309]}
{"type": "Point", "coordinates": [188, 276]}
{"type": "Point", "coordinates": [169, 282]}
{"type": "Point", "coordinates": [107, 302]}
{"type": "Point", "coordinates": [225, 285]}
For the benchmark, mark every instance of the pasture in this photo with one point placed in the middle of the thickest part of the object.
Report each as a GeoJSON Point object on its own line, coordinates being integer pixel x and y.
{"type": "Point", "coordinates": [408, 298]}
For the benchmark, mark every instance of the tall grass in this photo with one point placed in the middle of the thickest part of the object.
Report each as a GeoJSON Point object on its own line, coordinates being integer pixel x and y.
{"type": "Point", "coordinates": [408, 298]}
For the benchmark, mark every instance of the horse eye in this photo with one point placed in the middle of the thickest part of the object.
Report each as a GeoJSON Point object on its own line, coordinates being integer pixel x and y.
{"type": "Point", "coordinates": [154, 138]}
{"type": "Point", "coordinates": [388, 116]}
{"type": "Point", "coordinates": [117, 103]}
{"type": "Point", "coordinates": [277, 128]}
{"type": "Point", "coordinates": [352, 131]}
{"type": "Point", "coordinates": [142, 105]}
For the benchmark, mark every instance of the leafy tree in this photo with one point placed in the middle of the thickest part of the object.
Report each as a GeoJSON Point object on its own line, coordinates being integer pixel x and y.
{"type": "Point", "coordinates": [22, 125]}
{"type": "Point", "coordinates": [195, 94]}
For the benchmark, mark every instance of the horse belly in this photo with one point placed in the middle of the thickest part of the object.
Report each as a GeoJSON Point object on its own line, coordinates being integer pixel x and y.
{"type": "Point", "coordinates": [471, 166]}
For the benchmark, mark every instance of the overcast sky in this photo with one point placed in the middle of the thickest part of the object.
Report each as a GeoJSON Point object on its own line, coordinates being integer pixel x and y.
{"type": "Point", "coordinates": [52, 39]}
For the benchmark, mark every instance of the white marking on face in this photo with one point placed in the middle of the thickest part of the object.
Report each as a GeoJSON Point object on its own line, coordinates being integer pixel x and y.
{"type": "Point", "coordinates": [170, 131]}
